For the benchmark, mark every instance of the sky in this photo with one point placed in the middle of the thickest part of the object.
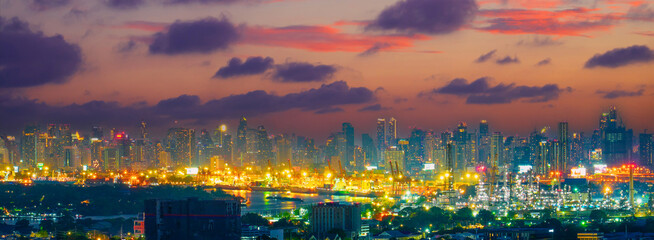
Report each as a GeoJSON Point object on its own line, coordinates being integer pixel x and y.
{"type": "Point", "coordinates": [306, 66]}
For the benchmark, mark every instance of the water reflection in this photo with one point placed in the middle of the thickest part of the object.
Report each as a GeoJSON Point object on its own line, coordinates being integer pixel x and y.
{"type": "Point", "coordinates": [259, 203]}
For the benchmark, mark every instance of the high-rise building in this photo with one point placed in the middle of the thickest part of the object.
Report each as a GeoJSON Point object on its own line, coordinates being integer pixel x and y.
{"type": "Point", "coordinates": [617, 140]}
{"type": "Point", "coordinates": [240, 148]}
{"type": "Point", "coordinates": [646, 149]}
{"type": "Point", "coordinates": [461, 150]}
{"type": "Point", "coordinates": [415, 158]}
{"type": "Point", "coordinates": [391, 132]}
{"type": "Point", "coordinates": [381, 135]}
{"type": "Point", "coordinates": [29, 141]}
{"type": "Point", "coordinates": [369, 150]}
{"type": "Point", "coordinates": [264, 148]}
{"type": "Point", "coordinates": [497, 150]}
{"type": "Point", "coordinates": [143, 126]}
{"type": "Point", "coordinates": [564, 145]}
{"type": "Point", "coordinates": [348, 131]}
{"type": "Point", "coordinates": [192, 219]}
{"type": "Point", "coordinates": [181, 146]}
{"type": "Point", "coordinates": [334, 215]}
{"type": "Point", "coordinates": [484, 142]}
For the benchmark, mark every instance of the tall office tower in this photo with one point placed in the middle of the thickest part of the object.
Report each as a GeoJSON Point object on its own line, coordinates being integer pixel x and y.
{"type": "Point", "coordinates": [429, 146]}
{"type": "Point", "coordinates": [484, 142]}
{"type": "Point", "coordinates": [617, 141]}
{"type": "Point", "coordinates": [359, 159]}
{"type": "Point", "coordinates": [521, 152]}
{"type": "Point", "coordinates": [335, 215]}
{"type": "Point", "coordinates": [381, 135]}
{"type": "Point", "coordinates": [460, 147]}
{"type": "Point", "coordinates": [180, 145]}
{"type": "Point", "coordinates": [226, 149]}
{"type": "Point", "coordinates": [28, 143]}
{"type": "Point", "coordinates": [578, 150]}
{"type": "Point", "coordinates": [143, 127]}
{"type": "Point", "coordinates": [415, 158]}
{"type": "Point", "coordinates": [205, 148]}
{"type": "Point", "coordinates": [564, 145]}
{"type": "Point", "coordinates": [97, 132]}
{"type": "Point", "coordinates": [264, 149]}
{"type": "Point", "coordinates": [369, 150]}
{"type": "Point", "coordinates": [240, 148]}
{"type": "Point", "coordinates": [535, 139]}
{"type": "Point", "coordinates": [123, 145]}
{"type": "Point", "coordinates": [397, 157]}
{"type": "Point", "coordinates": [283, 151]}
{"type": "Point", "coordinates": [192, 219]}
{"type": "Point", "coordinates": [348, 130]}
{"type": "Point", "coordinates": [646, 149]}
{"type": "Point", "coordinates": [391, 131]}
{"type": "Point", "coordinates": [497, 150]}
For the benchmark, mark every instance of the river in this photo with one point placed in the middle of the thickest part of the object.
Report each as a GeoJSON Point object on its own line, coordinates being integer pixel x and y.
{"type": "Point", "coordinates": [259, 203]}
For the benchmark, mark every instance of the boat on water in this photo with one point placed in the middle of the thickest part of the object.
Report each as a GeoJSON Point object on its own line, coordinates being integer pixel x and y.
{"type": "Point", "coordinates": [287, 199]}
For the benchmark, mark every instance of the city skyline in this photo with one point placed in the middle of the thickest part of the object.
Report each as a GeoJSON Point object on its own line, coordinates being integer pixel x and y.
{"type": "Point", "coordinates": [521, 65]}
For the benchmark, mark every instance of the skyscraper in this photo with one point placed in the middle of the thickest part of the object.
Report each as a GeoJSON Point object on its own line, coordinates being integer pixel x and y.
{"type": "Point", "coordinates": [369, 149]}
{"type": "Point", "coordinates": [484, 142]}
{"type": "Point", "coordinates": [180, 145]}
{"type": "Point", "coordinates": [391, 132]}
{"type": "Point", "coordinates": [646, 149]}
{"type": "Point", "coordinates": [28, 142]}
{"type": "Point", "coordinates": [348, 130]}
{"type": "Point", "coordinates": [240, 148]}
{"type": "Point", "coordinates": [264, 153]}
{"type": "Point", "coordinates": [617, 140]}
{"type": "Point", "coordinates": [564, 146]}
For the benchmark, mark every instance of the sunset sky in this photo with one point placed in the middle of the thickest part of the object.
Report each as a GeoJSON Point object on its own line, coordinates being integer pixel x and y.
{"type": "Point", "coordinates": [306, 66]}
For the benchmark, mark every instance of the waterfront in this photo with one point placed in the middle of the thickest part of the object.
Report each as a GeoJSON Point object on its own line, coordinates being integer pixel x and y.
{"type": "Point", "coordinates": [259, 203]}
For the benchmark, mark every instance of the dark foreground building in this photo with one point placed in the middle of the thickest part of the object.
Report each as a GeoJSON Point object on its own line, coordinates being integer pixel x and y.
{"type": "Point", "coordinates": [192, 219]}
{"type": "Point", "coordinates": [328, 216]}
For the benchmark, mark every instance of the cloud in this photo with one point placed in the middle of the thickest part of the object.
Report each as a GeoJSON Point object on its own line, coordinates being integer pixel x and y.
{"type": "Point", "coordinates": [619, 57]}
{"type": "Point", "coordinates": [399, 100]}
{"type": "Point", "coordinates": [329, 110]}
{"type": "Point", "coordinates": [303, 72]}
{"type": "Point", "coordinates": [374, 49]}
{"type": "Point", "coordinates": [184, 107]}
{"type": "Point", "coordinates": [202, 1]}
{"type": "Point", "coordinates": [251, 66]}
{"type": "Point", "coordinates": [30, 59]}
{"type": "Point", "coordinates": [124, 4]}
{"type": "Point", "coordinates": [544, 62]}
{"type": "Point", "coordinates": [425, 16]}
{"type": "Point", "coordinates": [641, 12]}
{"type": "Point", "coordinates": [42, 5]}
{"type": "Point", "coordinates": [568, 22]}
{"type": "Point", "coordinates": [484, 57]}
{"type": "Point", "coordinates": [620, 93]}
{"type": "Point", "coordinates": [326, 38]}
{"type": "Point", "coordinates": [507, 60]}
{"type": "Point", "coordinates": [202, 36]}
{"type": "Point", "coordinates": [539, 42]}
{"type": "Point", "coordinates": [373, 108]}
{"type": "Point", "coordinates": [480, 92]}
{"type": "Point", "coordinates": [125, 47]}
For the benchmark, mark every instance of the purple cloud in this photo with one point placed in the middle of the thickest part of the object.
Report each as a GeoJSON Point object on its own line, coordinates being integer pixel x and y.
{"type": "Point", "coordinates": [329, 110]}
{"type": "Point", "coordinates": [544, 62]}
{"type": "Point", "coordinates": [30, 59]}
{"type": "Point", "coordinates": [507, 60]}
{"type": "Point", "coordinates": [621, 57]}
{"type": "Point", "coordinates": [42, 5]}
{"type": "Point", "coordinates": [480, 92]}
{"type": "Point", "coordinates": [484, 57]}
{"type": "Point", "coordinates": [373, 108]}
{"type": "Point", "coordinates": [303, 72]}
{"type": "Point", "coordinates": [201, 36]}
{"type": "Point", "coordinates": [620, 93]}
{"type": "Point", "coordinates": [425, 16]}
{"type": "Point", "coordinates": [251, 66]}
{"type": "Point", "coordinates": [124, 4]}
{"type": "Point", "coordinates": [324, 99]}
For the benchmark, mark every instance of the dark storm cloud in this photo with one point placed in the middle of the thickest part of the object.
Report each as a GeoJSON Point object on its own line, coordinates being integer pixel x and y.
{"type": "Point", "coordinates": [425, 16]}
{"type": "Point", "coordinates": [484, 57]}
{"type": "Point", "coordinates": [125, 47]}
{"type": "Point", "coordinates": [480, 92]}
{"type": "Point", "coordinates": [185, 107]}
{"type": "Point", "coordinates": [29, 58]}
{"type": "Point", "coordinates": [42, 5]}
{"type": "Point", "coordinates": [303, 72]}
{"type": "Point", "coordinates": [620, 93]}
{"type": "Point", "coordinates": [124, 4]}
{"type": "Point", "coordinates": [642, 12]}
{"type": "Point", "coordinates": [251, 66]}
{"type": "Point", "coordinates": [372, 108]}
{"type": "Point", "coordinates": [201, 36]}
{"type": "Point", "coordinates": [621, 57]}
{"type": "Point", "coordinates": [507, 60]}
{"type": "Point", "coordinates": [544, 62]}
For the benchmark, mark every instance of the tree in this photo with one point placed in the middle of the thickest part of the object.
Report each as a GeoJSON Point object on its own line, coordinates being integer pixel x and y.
{"type": "Point", "coordinates": [254, 219]}
{"type": "Point", "coordinates": [47, 225]}
{"type": "Point", "coordinates": [485, 217]}
{"type": "Point", "coordinates": [23, 226]}
{"type": "Point", "coordinates": [463, 215]}
{"type": "Point", "coordinates": [598, 216]}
